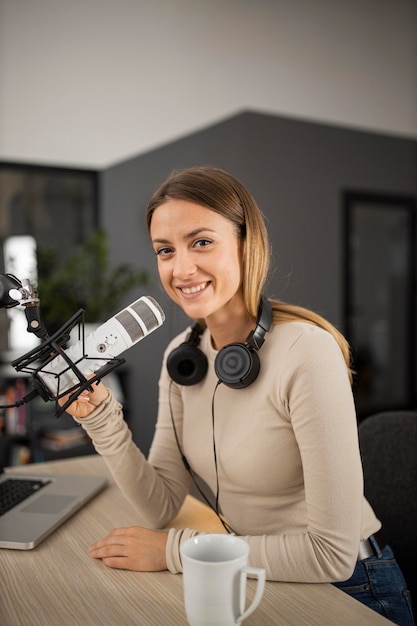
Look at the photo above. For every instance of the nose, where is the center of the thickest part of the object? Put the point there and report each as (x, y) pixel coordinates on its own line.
(184, 266)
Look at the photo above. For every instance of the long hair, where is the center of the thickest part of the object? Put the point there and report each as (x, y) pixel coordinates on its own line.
(222, 193)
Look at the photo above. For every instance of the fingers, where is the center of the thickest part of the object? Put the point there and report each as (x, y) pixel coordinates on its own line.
(133, 548)
(117, 546)
(87, 401)
(116, 538)
(112, 550)
(99, 393)
(116, 563)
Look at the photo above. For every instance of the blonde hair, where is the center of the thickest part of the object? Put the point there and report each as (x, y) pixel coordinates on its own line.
(222, 193)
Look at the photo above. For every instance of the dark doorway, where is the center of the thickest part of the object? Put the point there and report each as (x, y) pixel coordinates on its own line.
(380, 307)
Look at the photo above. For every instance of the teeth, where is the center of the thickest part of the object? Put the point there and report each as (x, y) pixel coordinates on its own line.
(189, 290)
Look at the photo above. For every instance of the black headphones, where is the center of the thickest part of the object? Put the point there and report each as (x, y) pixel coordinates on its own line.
(237, 365)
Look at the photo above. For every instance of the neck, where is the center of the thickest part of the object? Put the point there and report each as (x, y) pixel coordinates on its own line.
(230, 327)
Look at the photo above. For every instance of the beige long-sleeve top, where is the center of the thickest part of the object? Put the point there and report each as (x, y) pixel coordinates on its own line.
(289, 468)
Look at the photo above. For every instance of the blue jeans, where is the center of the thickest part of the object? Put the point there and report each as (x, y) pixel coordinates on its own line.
(379, 583)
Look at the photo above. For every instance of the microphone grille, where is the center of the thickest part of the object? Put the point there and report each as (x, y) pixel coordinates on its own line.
(131, 325)
(146, 315)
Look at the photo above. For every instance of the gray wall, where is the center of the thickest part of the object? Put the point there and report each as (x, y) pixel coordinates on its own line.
(76, 94)
(297, 171)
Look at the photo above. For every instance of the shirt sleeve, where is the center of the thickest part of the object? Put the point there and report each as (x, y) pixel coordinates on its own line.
(156, 486)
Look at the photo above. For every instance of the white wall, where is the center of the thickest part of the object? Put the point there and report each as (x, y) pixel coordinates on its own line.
(92, 82)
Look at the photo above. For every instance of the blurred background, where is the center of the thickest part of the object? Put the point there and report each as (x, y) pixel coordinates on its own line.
(313, 105)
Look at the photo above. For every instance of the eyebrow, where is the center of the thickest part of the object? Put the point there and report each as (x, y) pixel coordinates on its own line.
(189, 235)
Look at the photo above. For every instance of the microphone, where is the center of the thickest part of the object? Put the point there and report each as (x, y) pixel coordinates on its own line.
(58, 375)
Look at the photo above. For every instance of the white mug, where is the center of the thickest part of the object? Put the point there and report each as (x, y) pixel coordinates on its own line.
(214, 573)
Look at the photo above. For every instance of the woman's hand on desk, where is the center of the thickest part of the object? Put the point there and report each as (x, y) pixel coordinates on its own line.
(87, 401)
(134, 548)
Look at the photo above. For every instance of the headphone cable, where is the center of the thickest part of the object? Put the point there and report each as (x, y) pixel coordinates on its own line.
(187, 466)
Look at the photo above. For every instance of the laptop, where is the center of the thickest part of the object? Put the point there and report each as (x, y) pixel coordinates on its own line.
(51, 500)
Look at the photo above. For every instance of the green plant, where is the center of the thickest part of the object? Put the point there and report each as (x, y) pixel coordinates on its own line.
(84, 280)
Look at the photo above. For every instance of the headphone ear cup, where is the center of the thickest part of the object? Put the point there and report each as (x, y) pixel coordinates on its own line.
(187, 365)
(237, 366)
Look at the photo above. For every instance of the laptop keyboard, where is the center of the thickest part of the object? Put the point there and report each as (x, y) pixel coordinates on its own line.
(13, 491)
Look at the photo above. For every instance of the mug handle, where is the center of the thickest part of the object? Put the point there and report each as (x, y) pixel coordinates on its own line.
(258, 573)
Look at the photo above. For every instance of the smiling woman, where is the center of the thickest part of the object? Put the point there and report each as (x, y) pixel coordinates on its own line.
(278, 449)
(200, 267)
(218, 191)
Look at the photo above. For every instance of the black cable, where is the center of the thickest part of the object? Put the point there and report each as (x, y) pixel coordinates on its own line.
(214, 448)
(187, 466)
(27, 398)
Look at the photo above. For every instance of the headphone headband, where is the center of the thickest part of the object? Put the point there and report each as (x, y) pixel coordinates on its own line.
(263, 324)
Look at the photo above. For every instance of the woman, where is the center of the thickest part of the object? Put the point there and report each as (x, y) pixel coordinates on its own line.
(278, 447)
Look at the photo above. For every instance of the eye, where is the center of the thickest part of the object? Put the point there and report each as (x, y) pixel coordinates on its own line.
(202, 243)
(165, 251)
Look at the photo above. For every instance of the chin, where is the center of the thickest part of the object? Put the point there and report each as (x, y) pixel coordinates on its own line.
(195, 310)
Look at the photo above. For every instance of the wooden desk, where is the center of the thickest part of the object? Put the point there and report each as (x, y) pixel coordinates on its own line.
(59, 583)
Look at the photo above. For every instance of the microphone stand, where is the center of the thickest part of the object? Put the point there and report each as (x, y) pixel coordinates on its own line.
(39, 357)
(14, 292)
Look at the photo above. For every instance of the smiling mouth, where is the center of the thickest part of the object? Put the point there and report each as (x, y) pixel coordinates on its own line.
(188, 291)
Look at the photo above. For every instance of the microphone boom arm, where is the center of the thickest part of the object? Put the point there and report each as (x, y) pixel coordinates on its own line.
(14, 292)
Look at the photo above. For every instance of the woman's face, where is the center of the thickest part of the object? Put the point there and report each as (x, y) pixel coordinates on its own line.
(199, 258)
